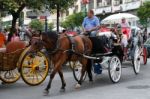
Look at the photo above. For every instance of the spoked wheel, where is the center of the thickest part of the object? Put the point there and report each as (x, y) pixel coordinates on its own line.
(77, 70)
(9, 76)
(136, 60)
(34, 68)
(114, 69)
(144, 55)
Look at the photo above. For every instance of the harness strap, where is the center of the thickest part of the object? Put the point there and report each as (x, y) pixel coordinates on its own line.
(72, 42)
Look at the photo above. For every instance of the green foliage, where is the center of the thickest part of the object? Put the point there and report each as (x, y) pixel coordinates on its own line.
(74, 20)
(144, 12)
(36, 24)
(51, 26)
(15, 5)
(63, 4)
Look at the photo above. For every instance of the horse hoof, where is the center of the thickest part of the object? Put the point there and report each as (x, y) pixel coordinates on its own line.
(77, 86)
(3, 83)
(45, 92)
(62, 90)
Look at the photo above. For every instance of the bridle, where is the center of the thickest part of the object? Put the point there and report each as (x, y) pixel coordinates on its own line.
(52, 50)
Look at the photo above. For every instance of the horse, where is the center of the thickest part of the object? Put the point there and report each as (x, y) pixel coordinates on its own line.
(60, 51)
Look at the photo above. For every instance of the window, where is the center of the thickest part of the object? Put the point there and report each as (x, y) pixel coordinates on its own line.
(91, 4)
(116, 2)
(76, 9)
(99, 3)
(83, 7)
(103, 3)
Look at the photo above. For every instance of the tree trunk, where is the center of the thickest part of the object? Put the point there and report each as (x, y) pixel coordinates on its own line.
(13, 27)
(58, 18)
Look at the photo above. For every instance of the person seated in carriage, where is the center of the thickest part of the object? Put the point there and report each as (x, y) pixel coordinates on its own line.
(103, 28)
(91, 24)
(126, 31)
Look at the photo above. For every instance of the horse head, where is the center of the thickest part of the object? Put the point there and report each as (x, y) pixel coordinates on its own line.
(44, 40)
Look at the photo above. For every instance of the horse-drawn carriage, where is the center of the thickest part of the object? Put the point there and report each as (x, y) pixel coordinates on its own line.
(104, 51)
(136, 53)
(15, 62)
(101, 52)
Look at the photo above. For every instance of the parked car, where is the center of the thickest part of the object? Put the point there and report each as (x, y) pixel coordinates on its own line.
(147, 45)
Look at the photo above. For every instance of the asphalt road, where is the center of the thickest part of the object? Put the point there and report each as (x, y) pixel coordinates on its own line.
(131, 86)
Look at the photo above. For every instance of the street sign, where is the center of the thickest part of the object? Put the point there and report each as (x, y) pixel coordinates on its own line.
(85, 1)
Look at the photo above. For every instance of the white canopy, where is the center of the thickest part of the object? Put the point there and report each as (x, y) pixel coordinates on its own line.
(115, 18)
(60, 28)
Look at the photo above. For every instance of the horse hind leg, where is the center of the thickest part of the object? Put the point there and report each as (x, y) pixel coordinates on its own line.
(89, 69)
(62, 80)
(83, 62)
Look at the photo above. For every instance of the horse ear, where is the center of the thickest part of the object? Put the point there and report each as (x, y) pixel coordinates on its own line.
(41, 37)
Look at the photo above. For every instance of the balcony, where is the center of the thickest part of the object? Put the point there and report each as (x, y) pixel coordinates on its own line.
(130, 1)
(133, 4)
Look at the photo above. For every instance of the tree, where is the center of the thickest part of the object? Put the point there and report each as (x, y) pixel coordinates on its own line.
(15, 7)
(144, 13)
(74, 20)
(36, 24)
(59, 5)
(51, 26)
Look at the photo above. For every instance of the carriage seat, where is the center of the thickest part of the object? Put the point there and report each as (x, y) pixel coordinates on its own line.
(107, 34)
(13, 46)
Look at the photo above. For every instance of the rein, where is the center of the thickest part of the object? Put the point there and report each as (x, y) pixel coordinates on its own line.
(57, 45)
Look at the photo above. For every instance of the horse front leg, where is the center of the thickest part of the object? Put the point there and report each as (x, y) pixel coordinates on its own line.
(57, 65)
(62, 80)
(46, 91)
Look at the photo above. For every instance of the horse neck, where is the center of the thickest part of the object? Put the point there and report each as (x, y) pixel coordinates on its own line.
(49, 42)
(54, 43)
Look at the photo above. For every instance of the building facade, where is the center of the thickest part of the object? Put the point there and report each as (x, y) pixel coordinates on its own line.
(104, 7)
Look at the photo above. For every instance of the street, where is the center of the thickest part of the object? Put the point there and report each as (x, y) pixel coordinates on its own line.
(131, 86)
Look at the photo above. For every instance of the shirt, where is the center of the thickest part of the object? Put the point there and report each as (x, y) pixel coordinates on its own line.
(15, 38)
(126, 24)
(2, 40)
(90, 23)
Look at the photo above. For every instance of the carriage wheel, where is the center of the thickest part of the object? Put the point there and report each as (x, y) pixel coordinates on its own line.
(77, 70)
(136, 60)
(34, 68)
(114, 69)
(144, 56)
(9, 76)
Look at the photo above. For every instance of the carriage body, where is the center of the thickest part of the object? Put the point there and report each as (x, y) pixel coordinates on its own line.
(8, 66)
(16, 62)
(106, 55)
(8, 61)
(107, 52)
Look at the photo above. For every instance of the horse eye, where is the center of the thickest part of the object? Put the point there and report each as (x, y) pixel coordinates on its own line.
(36, 43)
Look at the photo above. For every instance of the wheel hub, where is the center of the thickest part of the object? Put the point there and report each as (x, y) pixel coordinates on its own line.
(117, 69)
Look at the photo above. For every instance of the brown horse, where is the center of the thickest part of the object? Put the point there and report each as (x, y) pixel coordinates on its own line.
(60, 51)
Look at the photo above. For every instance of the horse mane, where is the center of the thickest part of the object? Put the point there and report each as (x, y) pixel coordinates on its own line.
(51, 35)
(50, 38)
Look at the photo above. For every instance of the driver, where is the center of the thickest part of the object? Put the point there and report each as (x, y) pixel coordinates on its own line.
(91, 24)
